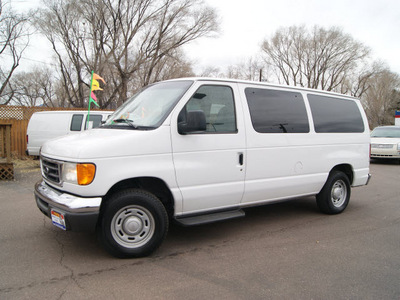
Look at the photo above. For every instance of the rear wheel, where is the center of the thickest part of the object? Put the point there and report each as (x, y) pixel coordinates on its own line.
(335, 195)
(134, 224)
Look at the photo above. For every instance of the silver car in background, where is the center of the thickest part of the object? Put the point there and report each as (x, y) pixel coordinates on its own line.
(385, 142)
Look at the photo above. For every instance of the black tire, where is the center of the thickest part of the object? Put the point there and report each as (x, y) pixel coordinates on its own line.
(134, 224)
(335, 195)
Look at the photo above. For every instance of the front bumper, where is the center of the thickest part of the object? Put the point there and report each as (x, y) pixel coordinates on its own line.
(385, 151)
(386, 155)
(81, 214)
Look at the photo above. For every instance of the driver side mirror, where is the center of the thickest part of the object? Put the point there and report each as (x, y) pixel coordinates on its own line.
(195, 122)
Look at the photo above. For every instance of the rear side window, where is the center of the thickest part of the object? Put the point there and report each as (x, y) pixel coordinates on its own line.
(96, 119)
(274, 111)
(332, 114)
(76, 123)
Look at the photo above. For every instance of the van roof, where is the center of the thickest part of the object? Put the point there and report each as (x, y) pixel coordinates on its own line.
(266, 84)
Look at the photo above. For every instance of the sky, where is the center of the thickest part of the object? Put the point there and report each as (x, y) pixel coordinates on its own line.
(245, 24)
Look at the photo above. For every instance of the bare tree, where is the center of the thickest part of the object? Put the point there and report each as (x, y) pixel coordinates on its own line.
(211, 71)
(172, 66)
(320, 58)
(357, 82)
(251, 69)
(382, 97)
(14, 38)
(64, 27)
(34, 88)
(121, 39)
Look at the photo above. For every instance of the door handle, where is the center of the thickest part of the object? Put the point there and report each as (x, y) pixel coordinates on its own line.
(241, 159)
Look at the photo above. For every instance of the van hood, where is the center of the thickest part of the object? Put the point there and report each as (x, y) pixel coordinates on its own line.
(107, 143)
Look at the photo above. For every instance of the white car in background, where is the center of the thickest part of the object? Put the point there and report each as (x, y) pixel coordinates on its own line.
(385, 142)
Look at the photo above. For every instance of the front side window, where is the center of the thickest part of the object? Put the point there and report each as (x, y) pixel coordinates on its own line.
(94, 121)
(218, 105)
(76, 123)
(274, 111)
(150, 107)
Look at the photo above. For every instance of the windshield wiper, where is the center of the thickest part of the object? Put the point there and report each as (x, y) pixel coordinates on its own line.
(127, 121)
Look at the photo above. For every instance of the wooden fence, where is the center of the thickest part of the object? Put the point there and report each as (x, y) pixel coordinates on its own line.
(5, 142)
(6, 166)
(18, 136)
(18, 117)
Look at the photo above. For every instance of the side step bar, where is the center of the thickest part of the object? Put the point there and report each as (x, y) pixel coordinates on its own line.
(210, 218)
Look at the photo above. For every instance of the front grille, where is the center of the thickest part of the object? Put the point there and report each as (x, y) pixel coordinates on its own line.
(51, 170)
(382, 146)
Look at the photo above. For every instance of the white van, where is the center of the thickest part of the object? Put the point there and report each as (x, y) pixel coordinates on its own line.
(200, 150)
(47, 125)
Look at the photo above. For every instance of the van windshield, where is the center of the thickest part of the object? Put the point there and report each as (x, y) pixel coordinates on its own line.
(149, 107)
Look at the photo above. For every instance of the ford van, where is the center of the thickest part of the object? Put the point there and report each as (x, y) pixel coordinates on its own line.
(199, 150)
(47, 125)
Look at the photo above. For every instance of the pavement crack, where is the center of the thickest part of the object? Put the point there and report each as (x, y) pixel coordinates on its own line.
(63, 264)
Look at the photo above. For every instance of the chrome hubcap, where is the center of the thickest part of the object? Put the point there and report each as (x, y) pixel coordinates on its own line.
(339, 193)
(132, 226)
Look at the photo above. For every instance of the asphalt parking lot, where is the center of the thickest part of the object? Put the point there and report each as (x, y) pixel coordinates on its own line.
(281, 251)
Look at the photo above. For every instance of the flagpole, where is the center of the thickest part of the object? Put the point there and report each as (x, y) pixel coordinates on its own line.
(90, 101)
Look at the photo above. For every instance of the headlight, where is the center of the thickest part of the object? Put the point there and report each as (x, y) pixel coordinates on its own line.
(82, 174)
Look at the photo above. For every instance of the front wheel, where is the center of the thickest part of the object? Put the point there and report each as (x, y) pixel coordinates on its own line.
(335, 195)
(134, 224)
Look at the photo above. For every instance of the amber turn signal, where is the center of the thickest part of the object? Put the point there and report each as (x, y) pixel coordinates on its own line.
(85, 173)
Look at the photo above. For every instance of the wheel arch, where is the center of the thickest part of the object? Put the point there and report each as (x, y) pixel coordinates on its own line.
(153, 185)
(346, 169)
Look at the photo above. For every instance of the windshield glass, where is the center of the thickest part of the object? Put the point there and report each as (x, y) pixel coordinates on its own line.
(150, 107)
(386, 132)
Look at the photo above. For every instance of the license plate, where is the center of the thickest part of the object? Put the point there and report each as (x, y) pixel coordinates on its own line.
(58, 219)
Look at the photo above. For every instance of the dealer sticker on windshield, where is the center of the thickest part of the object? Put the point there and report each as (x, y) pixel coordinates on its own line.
(58, 219)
